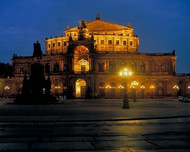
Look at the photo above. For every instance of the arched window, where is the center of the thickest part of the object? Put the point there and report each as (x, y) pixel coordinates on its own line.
(101, 85)
(112, 84)
(81, 59)
(142, 68)
(56, 68)
(21, 70)
(123, 65)
(47, 68)
(101, 67)
(112, 67)
(133, 67)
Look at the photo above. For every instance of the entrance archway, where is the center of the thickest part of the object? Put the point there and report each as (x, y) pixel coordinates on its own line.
(80, 88)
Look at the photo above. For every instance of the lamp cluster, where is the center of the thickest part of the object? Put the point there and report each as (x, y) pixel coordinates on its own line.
(125, 72)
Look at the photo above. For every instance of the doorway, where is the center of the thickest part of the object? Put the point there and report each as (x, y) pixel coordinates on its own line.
(80, 88)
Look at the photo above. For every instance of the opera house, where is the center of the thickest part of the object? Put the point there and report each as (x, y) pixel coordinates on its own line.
(86, 62)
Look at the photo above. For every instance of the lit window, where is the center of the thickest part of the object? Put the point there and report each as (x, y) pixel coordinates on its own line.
(102, 42)
(131, 43)
(124, 42)
(109, 41)
(117, 42)
(58, 44)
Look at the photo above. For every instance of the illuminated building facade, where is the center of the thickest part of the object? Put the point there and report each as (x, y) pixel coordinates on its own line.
(86, 63)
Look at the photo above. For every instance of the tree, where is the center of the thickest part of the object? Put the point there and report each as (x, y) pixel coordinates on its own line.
(6, 70)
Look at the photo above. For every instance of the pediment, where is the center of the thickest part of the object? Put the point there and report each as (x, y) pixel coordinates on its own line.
(100, 25)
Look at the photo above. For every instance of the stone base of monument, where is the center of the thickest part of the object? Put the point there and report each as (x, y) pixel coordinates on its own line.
(36, 89)
(40, 99)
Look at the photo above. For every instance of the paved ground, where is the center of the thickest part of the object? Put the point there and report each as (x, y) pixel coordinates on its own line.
(96, 125)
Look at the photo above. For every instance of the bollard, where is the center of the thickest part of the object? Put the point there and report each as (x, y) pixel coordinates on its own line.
(125, 103)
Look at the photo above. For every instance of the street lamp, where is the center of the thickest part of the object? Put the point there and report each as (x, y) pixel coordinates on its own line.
(134, 84)
(175, 87)
(152, 89)
(142, 90)
(125, 73)
(188, 89)
(7, 90)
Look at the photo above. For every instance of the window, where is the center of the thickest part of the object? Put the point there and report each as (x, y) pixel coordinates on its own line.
(21, 70)
(123, 65)
(159, 67)
(53, 44)
(49, 45)
(112, 84)
(101, 85)
(75, 34)
(117, 42)
(131, 43)
(64, 43)
(56, 68)
(142, 68)
(109, 41)
(47, 68)
(58, 44)
(101, 67)
(102, 42)
(133, 67)
(112, 67)
(124, 42)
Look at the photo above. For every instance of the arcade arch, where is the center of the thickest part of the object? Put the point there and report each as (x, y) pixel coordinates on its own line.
(80, 88)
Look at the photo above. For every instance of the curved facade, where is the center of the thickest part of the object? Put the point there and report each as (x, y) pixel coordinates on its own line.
(87, 61)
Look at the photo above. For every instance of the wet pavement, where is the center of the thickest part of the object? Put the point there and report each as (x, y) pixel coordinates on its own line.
(96, 125)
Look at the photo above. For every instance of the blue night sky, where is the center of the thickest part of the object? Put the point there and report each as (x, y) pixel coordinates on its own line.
(162, 25)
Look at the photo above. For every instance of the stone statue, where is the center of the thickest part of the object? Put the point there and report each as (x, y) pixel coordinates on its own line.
(37, 50)
(36, 90)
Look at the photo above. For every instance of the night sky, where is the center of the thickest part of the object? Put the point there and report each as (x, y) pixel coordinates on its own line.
(162, 25)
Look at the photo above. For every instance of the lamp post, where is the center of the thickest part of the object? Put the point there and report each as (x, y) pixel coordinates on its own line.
(152, 89)
(175, 87)
(142, 90)
(125, 73)
(7, 91)
(134, 84)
